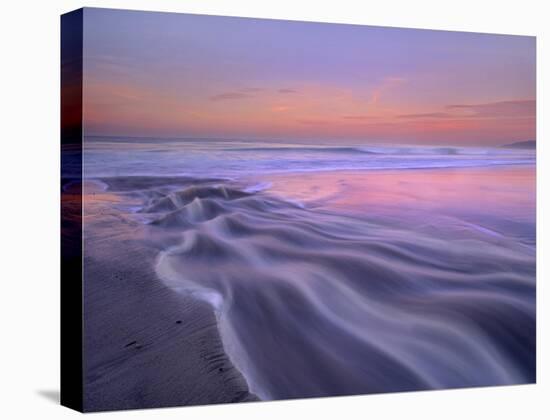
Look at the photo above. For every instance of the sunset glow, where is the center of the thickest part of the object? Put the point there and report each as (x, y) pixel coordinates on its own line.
(218, 77)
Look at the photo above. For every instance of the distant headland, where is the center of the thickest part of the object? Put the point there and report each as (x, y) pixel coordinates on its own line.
(529, 144)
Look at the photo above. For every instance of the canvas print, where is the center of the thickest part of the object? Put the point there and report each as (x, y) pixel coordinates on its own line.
(273, 209)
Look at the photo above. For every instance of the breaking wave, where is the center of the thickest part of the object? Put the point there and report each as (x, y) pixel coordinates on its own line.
(231, 159)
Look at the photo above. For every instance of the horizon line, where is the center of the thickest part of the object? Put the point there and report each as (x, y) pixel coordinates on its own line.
(300, 141)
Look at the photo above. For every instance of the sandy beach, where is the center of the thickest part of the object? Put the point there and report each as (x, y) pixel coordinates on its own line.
(329, 283)
(144, 345)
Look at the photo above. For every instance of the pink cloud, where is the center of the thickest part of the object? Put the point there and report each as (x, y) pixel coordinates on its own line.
(359, 117)
(521, 108)
(427, 115)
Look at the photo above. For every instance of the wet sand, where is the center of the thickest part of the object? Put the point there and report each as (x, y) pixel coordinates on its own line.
(502, 199)
(327, 283)
(509, 189)
(144, 345)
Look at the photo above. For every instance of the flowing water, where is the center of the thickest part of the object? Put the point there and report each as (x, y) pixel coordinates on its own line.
(318, 298)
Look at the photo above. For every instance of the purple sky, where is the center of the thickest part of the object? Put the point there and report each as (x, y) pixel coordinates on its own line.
(178, 75)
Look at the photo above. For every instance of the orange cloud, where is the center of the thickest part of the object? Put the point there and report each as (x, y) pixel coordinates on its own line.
(280, 108)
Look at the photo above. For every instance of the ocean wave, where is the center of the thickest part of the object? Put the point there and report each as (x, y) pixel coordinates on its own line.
(313, 303)
(297, 149)
(382, 150)
(230, 160)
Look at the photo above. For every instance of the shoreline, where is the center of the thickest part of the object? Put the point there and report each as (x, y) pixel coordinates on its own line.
(174, 339)
(233, 178)
(165, 348)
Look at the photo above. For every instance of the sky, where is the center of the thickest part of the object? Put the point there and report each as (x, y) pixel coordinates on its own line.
(178, 75)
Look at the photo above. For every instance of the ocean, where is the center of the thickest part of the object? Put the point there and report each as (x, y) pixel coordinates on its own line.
(104, 156)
